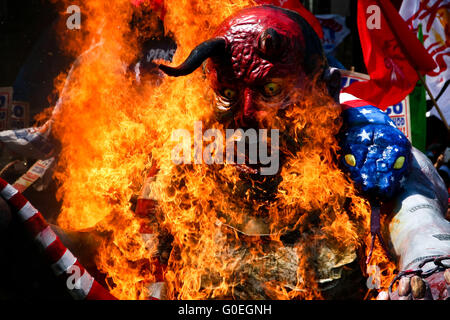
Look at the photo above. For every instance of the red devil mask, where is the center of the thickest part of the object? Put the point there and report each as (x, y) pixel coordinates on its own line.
(256, 57)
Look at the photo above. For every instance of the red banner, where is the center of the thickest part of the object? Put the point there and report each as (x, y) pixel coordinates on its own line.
(392, 54)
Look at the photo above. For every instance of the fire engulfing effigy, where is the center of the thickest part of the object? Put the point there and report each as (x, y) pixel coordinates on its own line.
(193, 229)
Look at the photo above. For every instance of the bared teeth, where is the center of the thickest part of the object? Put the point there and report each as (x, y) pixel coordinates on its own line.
(246, 169)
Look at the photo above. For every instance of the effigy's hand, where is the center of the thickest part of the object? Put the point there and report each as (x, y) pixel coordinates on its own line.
(417, 285)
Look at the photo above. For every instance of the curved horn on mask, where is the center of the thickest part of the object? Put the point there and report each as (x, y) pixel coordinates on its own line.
(203, 51)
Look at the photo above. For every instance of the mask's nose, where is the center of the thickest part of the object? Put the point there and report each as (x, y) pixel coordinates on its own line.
(246, 117)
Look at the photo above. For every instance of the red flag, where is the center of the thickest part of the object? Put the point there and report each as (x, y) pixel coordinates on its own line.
(392, 55)
(295, 5)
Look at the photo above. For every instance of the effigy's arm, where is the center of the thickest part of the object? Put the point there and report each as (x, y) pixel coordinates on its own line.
(419, 232)
(386, 169)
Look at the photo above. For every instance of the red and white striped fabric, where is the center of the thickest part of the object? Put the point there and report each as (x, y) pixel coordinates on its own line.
(63, 263)
(350, 101)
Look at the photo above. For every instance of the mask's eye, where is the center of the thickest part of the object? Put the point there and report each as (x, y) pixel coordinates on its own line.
(272, 89)
(399, 162)
(350, 159)
(230, 94)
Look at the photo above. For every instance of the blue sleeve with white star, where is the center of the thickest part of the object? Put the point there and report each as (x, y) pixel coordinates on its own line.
(375, 153)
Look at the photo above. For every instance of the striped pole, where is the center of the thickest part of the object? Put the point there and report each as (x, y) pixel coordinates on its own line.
(63, 263)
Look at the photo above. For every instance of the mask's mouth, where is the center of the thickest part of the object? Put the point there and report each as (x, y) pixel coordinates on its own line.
(256, 152)
(244, 162)
(379, 193)
(243, 168)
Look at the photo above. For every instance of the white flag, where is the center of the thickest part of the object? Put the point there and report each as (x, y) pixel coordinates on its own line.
(434, 16)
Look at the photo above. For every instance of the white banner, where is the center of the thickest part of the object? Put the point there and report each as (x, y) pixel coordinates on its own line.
(434, 17)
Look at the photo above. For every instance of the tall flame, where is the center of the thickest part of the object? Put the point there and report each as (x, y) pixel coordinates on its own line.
(112, 132)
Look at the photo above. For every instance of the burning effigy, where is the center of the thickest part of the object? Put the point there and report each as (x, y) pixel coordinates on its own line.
(238, 172)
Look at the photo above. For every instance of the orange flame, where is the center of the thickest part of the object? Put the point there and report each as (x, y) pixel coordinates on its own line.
(112, 132)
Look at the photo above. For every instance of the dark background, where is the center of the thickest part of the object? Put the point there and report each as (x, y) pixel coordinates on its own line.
(29, 61)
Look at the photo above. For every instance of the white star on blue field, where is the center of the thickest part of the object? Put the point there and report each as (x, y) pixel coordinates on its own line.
(365, 111)
(364, 135)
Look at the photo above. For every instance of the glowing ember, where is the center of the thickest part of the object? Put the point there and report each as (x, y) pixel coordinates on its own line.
(113, 132)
